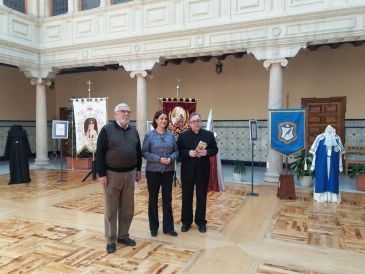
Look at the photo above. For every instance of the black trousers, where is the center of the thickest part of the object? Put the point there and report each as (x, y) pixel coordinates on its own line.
(201, 186)
(154, 181)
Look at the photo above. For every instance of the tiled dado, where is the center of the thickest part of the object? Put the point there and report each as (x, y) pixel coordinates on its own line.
(29, 126)
(234, 137)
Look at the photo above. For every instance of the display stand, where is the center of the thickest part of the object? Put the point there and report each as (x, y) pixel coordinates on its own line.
(60, 131)
(176, 181)
(253, 138)
(92, 171)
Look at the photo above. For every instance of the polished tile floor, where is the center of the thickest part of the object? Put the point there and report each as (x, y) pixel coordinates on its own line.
(346, 183)
(52, 227)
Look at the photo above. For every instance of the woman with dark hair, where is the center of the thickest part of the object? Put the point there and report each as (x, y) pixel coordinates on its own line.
(160, 150)
(91, 128)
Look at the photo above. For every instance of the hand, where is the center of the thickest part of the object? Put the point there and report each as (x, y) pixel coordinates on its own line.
(165, 161)
(202, 152)
(193, 153)
(138, 176)
(103, 181)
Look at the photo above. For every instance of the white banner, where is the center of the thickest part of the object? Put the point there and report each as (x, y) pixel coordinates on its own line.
(90, 116)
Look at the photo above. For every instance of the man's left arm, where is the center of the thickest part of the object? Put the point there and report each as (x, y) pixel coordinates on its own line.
(139, 159)
(212, 148)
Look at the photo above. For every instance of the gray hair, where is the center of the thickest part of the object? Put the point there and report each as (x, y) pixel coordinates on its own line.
(122, 106)
(194, 114)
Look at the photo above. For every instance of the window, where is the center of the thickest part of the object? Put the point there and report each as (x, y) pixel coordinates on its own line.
(18, 5)
(89, 4)
(119, 1)
(59, 7)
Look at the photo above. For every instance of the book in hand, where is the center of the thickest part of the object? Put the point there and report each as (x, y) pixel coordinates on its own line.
(201, 145)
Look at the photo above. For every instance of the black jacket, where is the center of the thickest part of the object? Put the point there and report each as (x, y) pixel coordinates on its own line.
(189, 166)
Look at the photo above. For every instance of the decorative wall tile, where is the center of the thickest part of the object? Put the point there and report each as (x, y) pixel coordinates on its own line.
(233, 137)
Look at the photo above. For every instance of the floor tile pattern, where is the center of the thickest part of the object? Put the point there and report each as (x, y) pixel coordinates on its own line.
(340, 226)
(221, 206)
(28, 246)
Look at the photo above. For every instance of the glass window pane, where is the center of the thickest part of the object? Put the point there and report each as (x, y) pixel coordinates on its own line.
(18, 5)
(120, 1)
(90, 4)
(60, 7)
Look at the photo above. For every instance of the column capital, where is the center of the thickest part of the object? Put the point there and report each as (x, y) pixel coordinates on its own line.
(142, 73)
(39, 73)
(139, 65)
(282, 62)
(40, 81)
(276, 52)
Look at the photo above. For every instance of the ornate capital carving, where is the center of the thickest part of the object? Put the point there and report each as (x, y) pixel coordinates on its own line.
(273, 52)
(139, 65)
(282, 62)
(40, 73)
(142, 73)
(37, 81)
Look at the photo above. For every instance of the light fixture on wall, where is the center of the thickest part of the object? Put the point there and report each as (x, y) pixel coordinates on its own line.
(219, 67)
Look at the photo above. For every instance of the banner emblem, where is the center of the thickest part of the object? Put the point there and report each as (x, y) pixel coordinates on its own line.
(178, 117)
(178, 110)
(287, 132)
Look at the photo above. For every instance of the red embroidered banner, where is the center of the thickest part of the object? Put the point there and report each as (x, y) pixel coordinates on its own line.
(178, 110)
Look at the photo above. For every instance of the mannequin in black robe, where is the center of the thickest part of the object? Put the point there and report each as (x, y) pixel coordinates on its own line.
(17, 151)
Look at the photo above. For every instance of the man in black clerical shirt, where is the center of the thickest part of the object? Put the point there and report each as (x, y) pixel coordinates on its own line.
(195, 147)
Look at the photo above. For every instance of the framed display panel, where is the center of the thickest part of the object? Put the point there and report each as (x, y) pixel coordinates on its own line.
(59, 129)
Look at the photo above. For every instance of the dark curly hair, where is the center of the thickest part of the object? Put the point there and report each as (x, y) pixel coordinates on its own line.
(158, 114)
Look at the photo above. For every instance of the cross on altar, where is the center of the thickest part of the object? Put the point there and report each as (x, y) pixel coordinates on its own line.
(89, 88)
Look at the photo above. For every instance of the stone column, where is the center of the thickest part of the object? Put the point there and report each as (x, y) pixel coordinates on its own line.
(71, 6)
(141, 101)
(104, 3)
(41, 122)
(274, 164)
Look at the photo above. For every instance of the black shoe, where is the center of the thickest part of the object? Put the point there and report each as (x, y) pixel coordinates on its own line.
(153, 233)
(185, 228)
(127, 241)
(110, 248)
(172, 233)
(202, 228)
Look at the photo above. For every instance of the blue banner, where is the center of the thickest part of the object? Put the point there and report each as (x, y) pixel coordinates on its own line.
(287, 128)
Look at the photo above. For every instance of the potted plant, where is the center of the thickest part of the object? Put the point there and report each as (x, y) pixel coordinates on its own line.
(238, 170)
(305, 177)
(358, 171)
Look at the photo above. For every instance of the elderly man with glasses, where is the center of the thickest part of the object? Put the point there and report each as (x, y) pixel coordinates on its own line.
(118, 163)
(195, 147)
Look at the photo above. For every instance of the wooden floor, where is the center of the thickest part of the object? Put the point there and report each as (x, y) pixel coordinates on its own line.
(48, 227)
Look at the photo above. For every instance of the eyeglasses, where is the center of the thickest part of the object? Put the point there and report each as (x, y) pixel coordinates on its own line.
(125, 111)
(195, 121)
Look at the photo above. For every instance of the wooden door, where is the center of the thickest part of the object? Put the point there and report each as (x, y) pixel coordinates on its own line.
(64, 115)
(322, 112)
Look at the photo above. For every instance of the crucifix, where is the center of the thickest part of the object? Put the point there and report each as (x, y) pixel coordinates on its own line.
(89, 88)
(178, 81)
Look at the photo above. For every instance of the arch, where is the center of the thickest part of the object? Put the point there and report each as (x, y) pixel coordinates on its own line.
(119, 1)
(18, 5)
(89, 4)
(59, 7)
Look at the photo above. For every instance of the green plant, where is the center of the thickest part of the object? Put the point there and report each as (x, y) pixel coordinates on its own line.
(298, 165)
(356, 170)
(239, 168)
